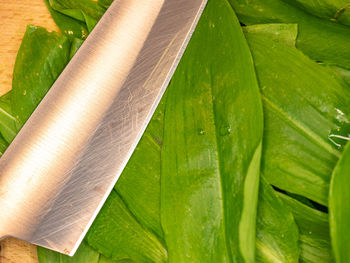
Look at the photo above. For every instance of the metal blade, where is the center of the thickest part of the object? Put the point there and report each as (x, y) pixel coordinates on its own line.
(60, 169)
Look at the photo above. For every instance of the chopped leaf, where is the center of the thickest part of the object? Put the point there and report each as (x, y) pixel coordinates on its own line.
(339, 208)
(211, 149)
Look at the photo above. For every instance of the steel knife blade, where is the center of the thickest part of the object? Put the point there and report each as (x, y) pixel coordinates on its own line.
(63, 164)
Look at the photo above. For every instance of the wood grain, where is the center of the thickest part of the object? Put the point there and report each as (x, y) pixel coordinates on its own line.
(15, 15)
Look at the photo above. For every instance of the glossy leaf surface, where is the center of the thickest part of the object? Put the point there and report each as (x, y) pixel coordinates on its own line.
(304, 104)
(211, 148)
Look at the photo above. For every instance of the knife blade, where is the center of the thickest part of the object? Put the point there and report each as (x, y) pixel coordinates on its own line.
(61, 167)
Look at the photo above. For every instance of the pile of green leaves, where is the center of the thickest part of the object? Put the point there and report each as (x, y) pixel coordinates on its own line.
(245, 158)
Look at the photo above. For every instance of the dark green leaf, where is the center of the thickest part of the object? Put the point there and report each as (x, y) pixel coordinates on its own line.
(314, 231)
(277, 233)
(304, 104)
(322, 40)
(212, 142)
(339, 208)
(41, 58)
(117, 234)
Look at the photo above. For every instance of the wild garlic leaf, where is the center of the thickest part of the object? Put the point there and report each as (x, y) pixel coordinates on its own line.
(319, 39)
(69, 26)
(339, 208)
(211, 150)
(277, 237)
(86, 11)
(313, 229)
(117, 234)
(41, 58)
(84, 254)
(304, 104)
(334, 10)
(8, 127)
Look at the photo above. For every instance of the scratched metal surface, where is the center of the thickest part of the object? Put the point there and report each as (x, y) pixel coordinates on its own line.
(58, 172)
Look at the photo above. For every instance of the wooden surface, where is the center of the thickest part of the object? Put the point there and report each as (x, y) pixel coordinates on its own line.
(14, 17)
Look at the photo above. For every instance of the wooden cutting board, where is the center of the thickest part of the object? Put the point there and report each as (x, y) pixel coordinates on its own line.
(14, 17)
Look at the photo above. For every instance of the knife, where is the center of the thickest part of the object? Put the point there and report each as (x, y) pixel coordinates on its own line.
(59, 170)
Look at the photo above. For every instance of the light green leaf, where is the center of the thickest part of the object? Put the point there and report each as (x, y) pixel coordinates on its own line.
(314, 231)
(283, 33)
(212, 142)
(3, 145)
(339, 208)
(320, 39)
(277, 233)
(304, 104)
(117, 234)
(40, 59)
(8, 128)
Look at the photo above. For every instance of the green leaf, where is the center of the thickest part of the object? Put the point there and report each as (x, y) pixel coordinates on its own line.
(328, 9)
(339, 208)
(283, 33)
(8, 128)
(3, 145)
(304, 104)
(83, 255)
(117, 234)
(41, 58)
(76, 44)
(320, 39)
(212, 141)
(86, 11)
(69, 26)
(343, 14)
(314, 231)
(105, 3)
(277, 233)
